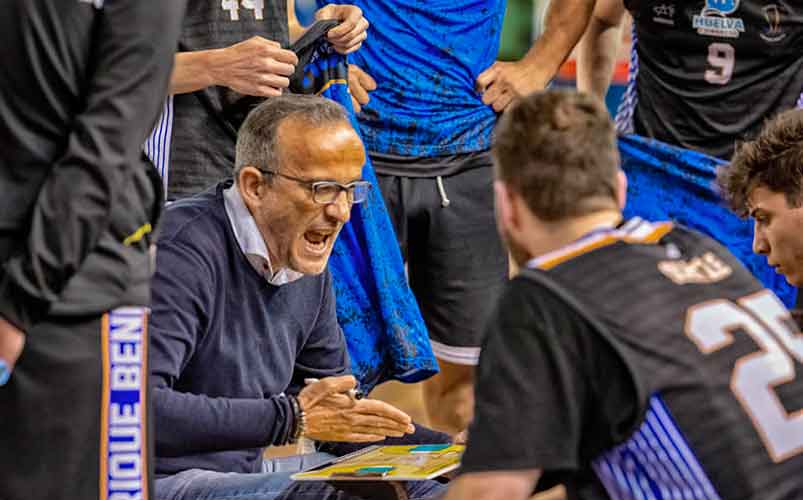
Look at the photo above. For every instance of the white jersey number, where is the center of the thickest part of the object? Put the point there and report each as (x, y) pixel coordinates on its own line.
(721, 57)
(233, 6)
(712, 325)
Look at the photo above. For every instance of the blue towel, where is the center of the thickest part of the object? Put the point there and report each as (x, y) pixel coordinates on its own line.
(667, 182)
(385, 332)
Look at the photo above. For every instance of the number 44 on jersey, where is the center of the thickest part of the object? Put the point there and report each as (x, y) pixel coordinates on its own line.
(233, 6)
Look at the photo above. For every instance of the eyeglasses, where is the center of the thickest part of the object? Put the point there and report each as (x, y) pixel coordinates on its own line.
(327, 192)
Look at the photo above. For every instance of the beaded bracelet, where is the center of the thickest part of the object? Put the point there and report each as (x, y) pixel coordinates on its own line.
(301, 420)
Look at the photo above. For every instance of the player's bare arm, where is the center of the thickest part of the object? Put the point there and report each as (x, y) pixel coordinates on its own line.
(497, 485)
(504, 81)
(596, 55)
(256, 66)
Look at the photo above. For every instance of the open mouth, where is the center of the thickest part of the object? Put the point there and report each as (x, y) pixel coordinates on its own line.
(317, 241)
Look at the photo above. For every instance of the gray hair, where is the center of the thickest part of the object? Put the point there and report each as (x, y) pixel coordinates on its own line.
(256, 140)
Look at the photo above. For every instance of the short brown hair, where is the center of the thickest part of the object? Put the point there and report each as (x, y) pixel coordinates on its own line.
(773, 160)
(558, 150)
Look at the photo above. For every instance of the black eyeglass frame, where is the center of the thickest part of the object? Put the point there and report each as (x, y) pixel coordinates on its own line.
(315, 185)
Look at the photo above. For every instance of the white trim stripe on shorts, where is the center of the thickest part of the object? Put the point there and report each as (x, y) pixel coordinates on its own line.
(457, 355)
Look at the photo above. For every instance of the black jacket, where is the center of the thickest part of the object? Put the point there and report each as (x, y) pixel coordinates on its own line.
(81, 84)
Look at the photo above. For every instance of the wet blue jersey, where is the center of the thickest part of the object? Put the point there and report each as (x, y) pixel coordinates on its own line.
(425, 57)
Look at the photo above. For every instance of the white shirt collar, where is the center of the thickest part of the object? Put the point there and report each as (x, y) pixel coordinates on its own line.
(250, 240)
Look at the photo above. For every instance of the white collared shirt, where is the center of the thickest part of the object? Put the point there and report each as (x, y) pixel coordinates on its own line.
(250, 239)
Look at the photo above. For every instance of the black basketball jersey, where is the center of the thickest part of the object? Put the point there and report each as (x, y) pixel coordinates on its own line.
(714, 357)
(711, 71)
(203, 143)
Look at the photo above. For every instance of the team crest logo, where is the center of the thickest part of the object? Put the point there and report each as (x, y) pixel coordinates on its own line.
(772, 33)
(713, 20)
(720, 7)
(664, 14)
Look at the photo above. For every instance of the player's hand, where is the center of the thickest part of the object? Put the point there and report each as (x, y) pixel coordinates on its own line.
(352, 30)
(12, 340)
(460, 438)
(503, 82)
(256, 66)
(333, 416)
(360, 83)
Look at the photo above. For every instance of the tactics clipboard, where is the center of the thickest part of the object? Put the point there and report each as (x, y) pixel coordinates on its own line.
(388, 463)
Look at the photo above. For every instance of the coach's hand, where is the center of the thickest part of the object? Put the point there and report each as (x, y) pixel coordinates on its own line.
(505, 81)
(256, 66)
(12, 340)
(347, 36)
(360, 83)
(333, 416)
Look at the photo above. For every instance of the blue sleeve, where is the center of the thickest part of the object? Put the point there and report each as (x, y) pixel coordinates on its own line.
(324, 353)
(183, 289)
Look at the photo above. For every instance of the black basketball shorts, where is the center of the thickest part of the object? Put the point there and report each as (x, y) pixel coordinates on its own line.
(456, 262)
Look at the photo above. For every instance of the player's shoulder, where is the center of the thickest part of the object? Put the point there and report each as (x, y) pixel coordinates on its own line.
(533, 299)
(686, 244)
(639, 265)
(691, 238)
(529, 288)
(664, 241)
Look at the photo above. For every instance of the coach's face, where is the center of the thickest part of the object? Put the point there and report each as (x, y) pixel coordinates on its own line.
(300, 232)
(778, 232)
